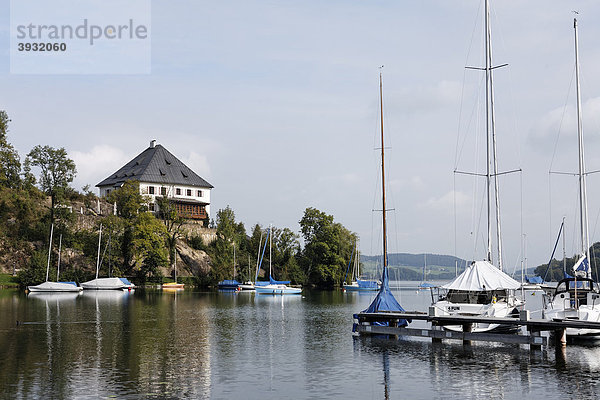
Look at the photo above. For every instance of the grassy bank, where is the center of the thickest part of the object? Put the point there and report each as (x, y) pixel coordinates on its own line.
(8, 281)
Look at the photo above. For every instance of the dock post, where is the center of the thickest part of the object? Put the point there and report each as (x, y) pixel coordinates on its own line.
(467, 328)
(433, 312)
(560, 337)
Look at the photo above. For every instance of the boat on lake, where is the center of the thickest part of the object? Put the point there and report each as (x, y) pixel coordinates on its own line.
(103, 283)
(577, 297)
(230, 284)
(54, 286)
(483, 289)
(357, 284)
(273, 286)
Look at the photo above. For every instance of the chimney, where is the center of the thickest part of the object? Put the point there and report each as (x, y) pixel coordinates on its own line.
(152, 143)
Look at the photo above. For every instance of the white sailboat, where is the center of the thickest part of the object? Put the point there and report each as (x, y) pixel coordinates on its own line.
(483, 289)
(103, 283)
(577, 297)
(275, 287)
(54, 286)
(357, 284)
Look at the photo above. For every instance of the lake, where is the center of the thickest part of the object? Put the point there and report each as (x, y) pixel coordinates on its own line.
(207, 344)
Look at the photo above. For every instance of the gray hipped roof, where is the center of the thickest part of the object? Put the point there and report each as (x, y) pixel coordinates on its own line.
(157, 165)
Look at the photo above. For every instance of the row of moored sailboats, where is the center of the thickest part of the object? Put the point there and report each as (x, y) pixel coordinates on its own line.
(97, 283)
(483, 289)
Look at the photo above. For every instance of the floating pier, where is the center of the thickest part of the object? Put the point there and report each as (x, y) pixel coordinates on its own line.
(371, 324)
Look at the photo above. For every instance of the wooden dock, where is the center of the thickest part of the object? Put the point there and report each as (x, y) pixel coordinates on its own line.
(533, 337)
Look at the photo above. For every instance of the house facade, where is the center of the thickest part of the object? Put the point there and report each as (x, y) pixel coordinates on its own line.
(160, 173)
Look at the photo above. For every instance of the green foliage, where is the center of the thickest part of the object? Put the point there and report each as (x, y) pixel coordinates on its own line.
(129, 201)
(196, 242)
(328, 247)
(35, 272)
(8, 281)
(172, 221)
(10, 163)
(149, 245)
(57, 171)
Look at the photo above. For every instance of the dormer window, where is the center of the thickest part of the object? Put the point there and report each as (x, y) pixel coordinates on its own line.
(184, 175)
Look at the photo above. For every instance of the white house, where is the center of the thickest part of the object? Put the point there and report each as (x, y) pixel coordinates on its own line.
(160, 173)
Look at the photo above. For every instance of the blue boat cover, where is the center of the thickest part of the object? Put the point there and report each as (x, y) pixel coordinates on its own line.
(70, 283)
(262, 283)
(367, 284)
(274, 282)
(125, 281)
(229, 282)
(534, 279)
(426, 285)
(385, 300)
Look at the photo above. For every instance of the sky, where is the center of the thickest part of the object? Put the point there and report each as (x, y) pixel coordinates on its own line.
(275, 103)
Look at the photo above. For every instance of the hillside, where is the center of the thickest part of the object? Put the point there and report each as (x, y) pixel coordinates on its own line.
(406, 266)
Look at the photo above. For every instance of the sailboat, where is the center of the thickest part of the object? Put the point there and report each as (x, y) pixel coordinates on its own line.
(484, 289)
(385, 300)
(249, 284)
(173, 285)
(103, 283)
(54, 286)
(357, 284)
(230, 284)
(577, 297)
(273, 286)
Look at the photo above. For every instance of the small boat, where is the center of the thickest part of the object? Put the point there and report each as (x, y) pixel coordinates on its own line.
(247, 286)
(54, 286)
(577, 297)
(273, 286)
(230, 284)
(103, 283)
(172, 286)
(357, 284)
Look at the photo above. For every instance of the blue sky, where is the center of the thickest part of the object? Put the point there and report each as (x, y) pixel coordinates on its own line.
(276, 104)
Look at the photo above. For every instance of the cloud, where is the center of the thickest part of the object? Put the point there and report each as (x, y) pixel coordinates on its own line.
(428, 99)
(445, 203)
(562, 122)
(97, 164)
(198, 163)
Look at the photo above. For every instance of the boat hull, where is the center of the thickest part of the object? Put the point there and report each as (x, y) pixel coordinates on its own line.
(356, 288)
(54, 287)
(277, 290)
(172, 285)
(104, 284)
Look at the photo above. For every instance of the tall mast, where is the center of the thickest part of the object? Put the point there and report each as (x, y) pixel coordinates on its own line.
(583, 219)
(385, 261)
(49, 252)
(491, 159)
(98, 257)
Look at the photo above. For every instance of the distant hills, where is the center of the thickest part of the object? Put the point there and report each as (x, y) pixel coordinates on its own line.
(409, 267)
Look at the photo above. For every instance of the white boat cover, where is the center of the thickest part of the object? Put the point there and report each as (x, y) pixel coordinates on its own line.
(481, 276)
(54, 287)
(104, 284)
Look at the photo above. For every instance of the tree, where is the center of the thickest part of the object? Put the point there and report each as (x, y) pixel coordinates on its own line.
(10, 163)
(328, 246)
(57, 171)
(172, 221)
(149, 245)
(228, 233)
(130, 203)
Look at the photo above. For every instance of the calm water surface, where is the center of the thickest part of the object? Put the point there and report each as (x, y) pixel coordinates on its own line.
(201, 344)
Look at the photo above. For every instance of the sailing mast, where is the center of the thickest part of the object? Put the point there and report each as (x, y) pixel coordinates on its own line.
(491, 159)
(583, 218)
(385, 260)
